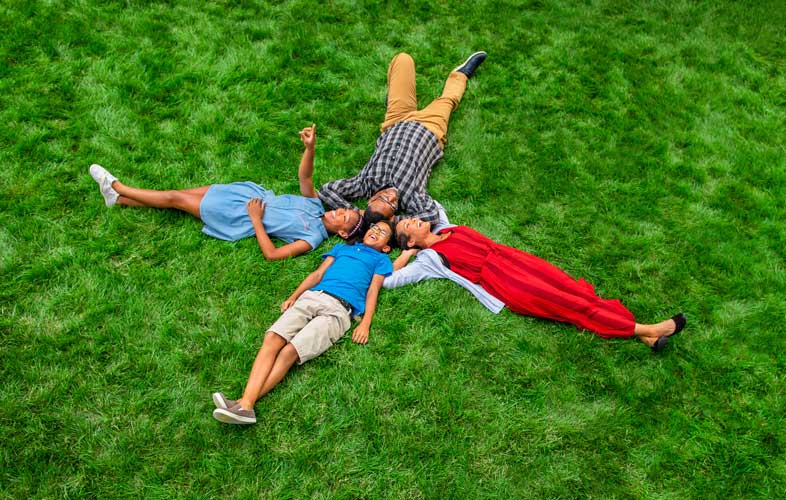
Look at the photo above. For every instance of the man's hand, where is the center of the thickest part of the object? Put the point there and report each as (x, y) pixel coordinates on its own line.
(256, 208)
(287, 304)
(360, 335)
(309, 136)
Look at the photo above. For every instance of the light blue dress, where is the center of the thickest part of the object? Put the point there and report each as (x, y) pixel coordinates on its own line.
(287, 217)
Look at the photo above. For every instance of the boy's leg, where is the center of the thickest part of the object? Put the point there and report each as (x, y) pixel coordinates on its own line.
(331, 322)
(260, 371)
(436, 115)
(402, 96)
(284, 361)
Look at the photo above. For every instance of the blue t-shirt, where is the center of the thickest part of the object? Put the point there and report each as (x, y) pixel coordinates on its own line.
(350, 274)
(287, 217)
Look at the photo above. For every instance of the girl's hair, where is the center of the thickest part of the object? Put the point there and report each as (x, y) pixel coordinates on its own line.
(355, 230)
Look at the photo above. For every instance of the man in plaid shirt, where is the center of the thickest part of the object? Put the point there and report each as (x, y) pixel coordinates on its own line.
(411, 143)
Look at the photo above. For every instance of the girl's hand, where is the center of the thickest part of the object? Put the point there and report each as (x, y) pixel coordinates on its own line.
(309, 136)
(287, 304)
(256, 208)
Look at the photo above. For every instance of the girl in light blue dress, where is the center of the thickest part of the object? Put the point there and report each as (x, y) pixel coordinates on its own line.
(242, 209)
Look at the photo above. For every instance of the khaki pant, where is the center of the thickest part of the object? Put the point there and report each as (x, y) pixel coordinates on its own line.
(313, 324)
(403, 101)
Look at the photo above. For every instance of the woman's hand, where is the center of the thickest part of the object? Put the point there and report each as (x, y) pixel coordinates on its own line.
(309, 136)
(256, 208)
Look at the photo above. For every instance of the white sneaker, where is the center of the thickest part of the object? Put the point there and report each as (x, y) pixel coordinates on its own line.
(104, 180)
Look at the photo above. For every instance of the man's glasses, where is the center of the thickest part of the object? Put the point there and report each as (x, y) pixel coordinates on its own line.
(386, 200)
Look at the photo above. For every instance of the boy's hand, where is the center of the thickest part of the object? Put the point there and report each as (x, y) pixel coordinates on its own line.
(256, 208)
(286, 304)
(410, 253)
(360, 335)
(309, 136)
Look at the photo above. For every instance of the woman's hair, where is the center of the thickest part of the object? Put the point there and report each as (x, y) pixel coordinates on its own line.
(402, 240)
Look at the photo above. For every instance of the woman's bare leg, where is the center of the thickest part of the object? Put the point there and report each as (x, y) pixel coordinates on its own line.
(187, 200)
(650, 333)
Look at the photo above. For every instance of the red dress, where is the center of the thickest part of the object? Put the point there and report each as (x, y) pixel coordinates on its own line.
(529, 285)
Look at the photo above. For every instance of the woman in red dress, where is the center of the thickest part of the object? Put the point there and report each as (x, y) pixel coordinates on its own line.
(529, 285)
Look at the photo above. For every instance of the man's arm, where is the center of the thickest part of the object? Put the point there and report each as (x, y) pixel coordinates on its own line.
(360, 334)
(256, 209)
(309, 282)
(422, 206)
(305, 171)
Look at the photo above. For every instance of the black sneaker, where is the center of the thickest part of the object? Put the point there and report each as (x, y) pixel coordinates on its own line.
(469, 66)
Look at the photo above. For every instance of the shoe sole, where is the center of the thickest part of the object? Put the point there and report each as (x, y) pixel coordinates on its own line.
(468, 59)
(218, 400)
(98, 173)
(227, 417)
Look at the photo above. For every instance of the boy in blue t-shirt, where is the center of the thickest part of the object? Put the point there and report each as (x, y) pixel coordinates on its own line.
(315, 316)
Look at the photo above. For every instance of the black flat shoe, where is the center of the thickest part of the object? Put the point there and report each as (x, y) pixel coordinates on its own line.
(660, 344)
(680, 321)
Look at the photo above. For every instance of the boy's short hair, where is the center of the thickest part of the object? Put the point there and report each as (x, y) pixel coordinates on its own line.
(369, 217)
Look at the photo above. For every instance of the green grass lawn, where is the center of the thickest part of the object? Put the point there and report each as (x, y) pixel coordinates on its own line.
(639, 145)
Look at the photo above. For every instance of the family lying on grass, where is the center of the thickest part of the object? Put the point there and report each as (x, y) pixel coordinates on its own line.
(348, 281)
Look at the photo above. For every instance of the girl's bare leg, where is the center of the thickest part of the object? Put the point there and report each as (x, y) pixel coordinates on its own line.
(187, 200)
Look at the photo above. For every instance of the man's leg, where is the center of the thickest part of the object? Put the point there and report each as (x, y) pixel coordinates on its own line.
(402, 96)
(436, 115)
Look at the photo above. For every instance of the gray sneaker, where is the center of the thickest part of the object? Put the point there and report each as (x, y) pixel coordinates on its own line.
(235, 415)
(221, 401)
(104, 180)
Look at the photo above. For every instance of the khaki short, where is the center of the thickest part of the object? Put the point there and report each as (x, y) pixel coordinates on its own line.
(313, 324)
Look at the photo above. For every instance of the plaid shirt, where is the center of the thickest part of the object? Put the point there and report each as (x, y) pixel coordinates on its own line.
(403, 159)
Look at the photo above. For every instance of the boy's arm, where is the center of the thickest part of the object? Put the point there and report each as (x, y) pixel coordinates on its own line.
(309, 282)
(360, 334)
(305, 171)
(403, 259)
(256, 209)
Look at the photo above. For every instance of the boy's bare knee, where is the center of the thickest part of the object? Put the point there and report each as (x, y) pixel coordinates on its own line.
(273, 341)
(290, 353)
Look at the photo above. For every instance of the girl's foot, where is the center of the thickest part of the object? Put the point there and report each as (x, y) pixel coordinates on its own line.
(104, 180)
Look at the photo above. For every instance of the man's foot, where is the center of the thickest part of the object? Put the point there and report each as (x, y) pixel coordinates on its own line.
(221, 401)
(469, 66)
(235, 415)
(104, 180)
